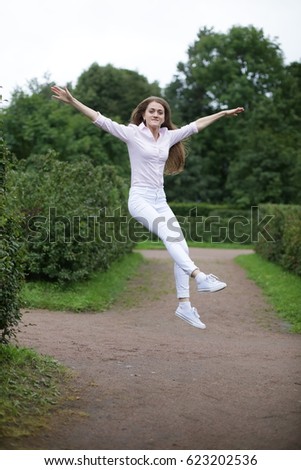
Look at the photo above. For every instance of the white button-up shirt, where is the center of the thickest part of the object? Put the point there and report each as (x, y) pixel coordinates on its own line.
(147, 155)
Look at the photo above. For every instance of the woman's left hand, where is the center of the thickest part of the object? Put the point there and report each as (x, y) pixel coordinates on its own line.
(234, 112)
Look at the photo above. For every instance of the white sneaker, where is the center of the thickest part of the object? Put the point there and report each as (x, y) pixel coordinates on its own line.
(210, 284)
(192, 317)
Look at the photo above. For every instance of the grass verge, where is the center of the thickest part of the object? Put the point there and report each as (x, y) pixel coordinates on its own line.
(95, 294)
(30, 385)
(282, 288)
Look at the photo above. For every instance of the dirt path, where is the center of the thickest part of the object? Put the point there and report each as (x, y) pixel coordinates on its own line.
(147, 380)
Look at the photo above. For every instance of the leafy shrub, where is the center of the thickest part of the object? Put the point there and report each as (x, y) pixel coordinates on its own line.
(11, 256)
(285, 230)
(72, 213)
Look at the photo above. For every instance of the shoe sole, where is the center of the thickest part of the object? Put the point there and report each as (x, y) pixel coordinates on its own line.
(212, 290)
(190, 322)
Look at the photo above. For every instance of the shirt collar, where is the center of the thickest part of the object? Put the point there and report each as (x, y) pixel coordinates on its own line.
(144, 128)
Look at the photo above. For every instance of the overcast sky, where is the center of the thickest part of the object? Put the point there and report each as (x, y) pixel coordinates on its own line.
(64, 37)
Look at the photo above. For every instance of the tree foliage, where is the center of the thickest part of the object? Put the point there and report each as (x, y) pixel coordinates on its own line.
(34, 124)
(114, 92)
(254, 158)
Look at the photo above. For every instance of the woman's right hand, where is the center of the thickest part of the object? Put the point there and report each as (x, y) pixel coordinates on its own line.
(62, 94)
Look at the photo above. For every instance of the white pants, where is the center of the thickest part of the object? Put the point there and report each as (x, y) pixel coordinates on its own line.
(149, 207)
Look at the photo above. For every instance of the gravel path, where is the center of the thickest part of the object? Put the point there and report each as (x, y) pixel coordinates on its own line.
(145, 379)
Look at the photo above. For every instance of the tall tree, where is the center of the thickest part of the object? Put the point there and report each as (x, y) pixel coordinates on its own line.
(240, 68)
(35, 124)
(268, 168)
(114, 92)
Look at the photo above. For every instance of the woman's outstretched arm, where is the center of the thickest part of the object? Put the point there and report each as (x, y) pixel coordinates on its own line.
(207, 120)
(64, 95)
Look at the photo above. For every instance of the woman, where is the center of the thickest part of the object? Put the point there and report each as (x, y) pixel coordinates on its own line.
(155, 146)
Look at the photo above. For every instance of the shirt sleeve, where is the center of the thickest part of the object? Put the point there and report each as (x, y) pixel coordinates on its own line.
(176, 135)
(120, 131)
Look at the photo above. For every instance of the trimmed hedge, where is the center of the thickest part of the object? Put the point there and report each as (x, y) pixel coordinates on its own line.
(284, 247)
(72, 217)
(214, 223)
(11, 256)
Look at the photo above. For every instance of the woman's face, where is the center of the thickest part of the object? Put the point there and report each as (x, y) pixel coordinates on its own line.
(154, 115)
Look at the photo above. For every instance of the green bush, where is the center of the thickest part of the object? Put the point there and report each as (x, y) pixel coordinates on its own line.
(72, 217)
(285, 229)
(11, 256)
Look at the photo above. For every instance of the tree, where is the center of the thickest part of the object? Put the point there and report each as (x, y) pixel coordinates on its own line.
(225, 69)
(114, 92)
(34, 124)
(269, 169)
(240, 68)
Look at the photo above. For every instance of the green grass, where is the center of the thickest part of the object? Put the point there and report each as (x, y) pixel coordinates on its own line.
(158, 245)
(29, 386)
(95, 294)
(282, 289)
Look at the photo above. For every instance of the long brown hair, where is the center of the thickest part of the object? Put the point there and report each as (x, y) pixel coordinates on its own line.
(177, 155)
